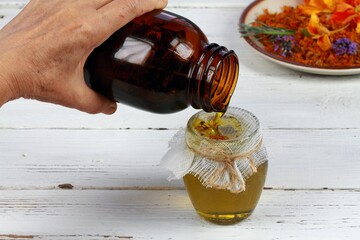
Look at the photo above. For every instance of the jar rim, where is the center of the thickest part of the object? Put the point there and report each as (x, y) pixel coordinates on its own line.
(235, 112)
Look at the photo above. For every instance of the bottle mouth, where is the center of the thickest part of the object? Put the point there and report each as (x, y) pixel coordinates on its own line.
(224, 81)
(219, 79)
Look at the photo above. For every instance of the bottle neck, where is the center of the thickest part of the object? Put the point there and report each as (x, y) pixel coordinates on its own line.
(213, 79)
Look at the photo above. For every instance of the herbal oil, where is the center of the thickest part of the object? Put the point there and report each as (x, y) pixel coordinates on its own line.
(221, 206)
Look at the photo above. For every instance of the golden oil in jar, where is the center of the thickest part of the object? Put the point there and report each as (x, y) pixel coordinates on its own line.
(221, 206)
(230, 131)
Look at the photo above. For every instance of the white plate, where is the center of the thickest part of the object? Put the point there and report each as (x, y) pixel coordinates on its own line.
(255, 9)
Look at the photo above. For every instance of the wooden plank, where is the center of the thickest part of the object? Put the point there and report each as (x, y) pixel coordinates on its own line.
(72, 214)
(279, 103)
(116, 159)
(6, 4)
(8, 12)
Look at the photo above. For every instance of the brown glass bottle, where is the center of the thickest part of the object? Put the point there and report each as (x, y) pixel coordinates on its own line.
(162, 62)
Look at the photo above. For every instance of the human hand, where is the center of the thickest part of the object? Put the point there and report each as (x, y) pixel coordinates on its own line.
(44, 49)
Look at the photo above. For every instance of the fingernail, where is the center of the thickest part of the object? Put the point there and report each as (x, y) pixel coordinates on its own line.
(111, 109)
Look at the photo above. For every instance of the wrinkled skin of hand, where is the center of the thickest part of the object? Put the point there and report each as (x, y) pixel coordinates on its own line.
(44, 49)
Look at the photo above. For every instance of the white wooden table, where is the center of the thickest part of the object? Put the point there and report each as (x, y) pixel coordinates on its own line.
(312, 131)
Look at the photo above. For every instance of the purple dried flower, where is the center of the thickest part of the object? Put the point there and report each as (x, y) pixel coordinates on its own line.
(343, 46)
(284, 44)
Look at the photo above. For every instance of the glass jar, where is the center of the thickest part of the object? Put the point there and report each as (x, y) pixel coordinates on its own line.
(162, 62)
(228, 171)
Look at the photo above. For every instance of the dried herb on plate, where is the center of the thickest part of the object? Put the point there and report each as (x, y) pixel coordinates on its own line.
(322, 33)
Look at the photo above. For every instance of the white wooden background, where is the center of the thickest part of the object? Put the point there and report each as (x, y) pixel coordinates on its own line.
(311, 126)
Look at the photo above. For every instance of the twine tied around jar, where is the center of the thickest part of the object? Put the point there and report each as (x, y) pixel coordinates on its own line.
(228, 160)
